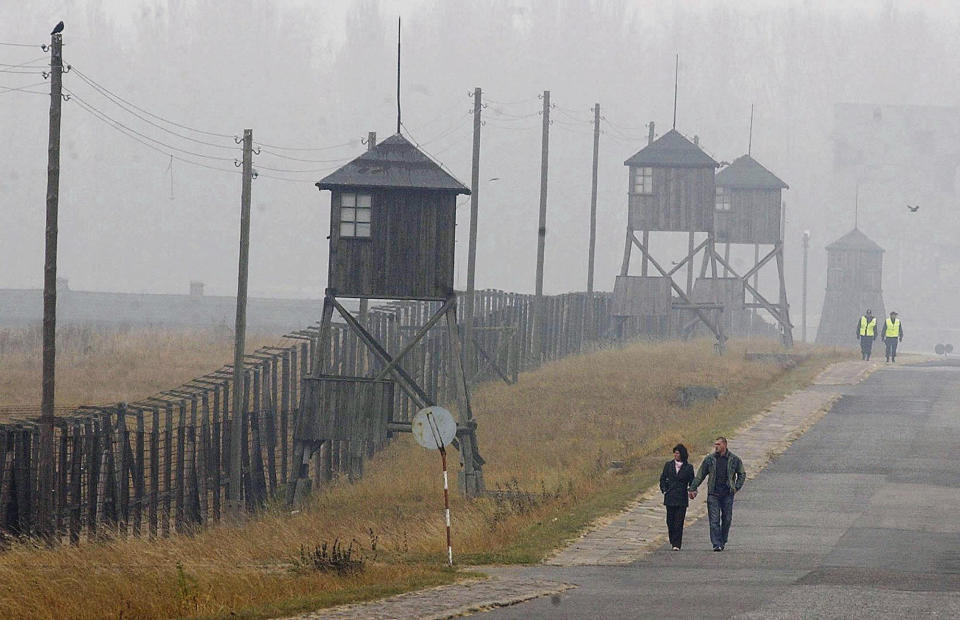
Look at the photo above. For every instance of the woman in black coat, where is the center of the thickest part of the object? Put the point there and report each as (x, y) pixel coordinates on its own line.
(674, 481)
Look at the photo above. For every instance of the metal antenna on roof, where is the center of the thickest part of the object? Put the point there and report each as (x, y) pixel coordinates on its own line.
(398, 74)
(750, 141)
(856, 207)
(676, 81)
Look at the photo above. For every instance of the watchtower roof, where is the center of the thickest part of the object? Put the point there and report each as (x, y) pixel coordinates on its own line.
(394, 163)
(855, 240)
(746, 173)
(671, 150)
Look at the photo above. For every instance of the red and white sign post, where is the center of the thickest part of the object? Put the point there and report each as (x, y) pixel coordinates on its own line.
(434, 428)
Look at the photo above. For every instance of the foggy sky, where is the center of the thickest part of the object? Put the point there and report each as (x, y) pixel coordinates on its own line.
(309, 74)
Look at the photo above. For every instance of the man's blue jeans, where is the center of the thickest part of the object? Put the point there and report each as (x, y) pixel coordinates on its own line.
(720, 512)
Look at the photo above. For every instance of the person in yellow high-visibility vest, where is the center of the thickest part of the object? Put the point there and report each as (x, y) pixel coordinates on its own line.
(867, 333)
(892, 336)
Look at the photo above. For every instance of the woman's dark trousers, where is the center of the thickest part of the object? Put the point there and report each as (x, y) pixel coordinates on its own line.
(675, 517)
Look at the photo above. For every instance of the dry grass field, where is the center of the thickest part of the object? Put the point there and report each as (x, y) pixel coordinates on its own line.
(103, 366)
(548, 439)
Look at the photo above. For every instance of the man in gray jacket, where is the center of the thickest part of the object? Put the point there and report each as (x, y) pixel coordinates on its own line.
(726, 476)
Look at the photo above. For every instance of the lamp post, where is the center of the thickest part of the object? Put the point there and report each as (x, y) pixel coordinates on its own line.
(803, 308)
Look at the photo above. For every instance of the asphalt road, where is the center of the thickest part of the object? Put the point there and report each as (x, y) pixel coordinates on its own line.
(859, 518)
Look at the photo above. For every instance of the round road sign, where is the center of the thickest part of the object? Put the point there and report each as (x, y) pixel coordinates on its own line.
(434, 427)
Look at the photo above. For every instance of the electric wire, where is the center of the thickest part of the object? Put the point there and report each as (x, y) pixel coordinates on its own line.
(26, 62)
(425, 151)
(12, 89)
(93, 82)
(123, 130)
(114, 99)
(39, 45)
(305, 171)
(519, 102)
(311, 161)
(307, 148)
(500, 112)
(144, 136)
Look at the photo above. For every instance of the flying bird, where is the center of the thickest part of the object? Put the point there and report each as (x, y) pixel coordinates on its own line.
(913, 209)
(58, 28)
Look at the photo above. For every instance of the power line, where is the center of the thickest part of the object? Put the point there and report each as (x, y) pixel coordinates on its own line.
(311, 161)
(123, 103)
(25, 71)
(573, 115)
(12, 89)
(309, 170)
(147, 112)
(426, 152)
(457, 125)
(500, 112)
(110, 97)
(288, 180)
(39, 45)
(122, 129)
(307, 148)
(144, 136)
(521, 101)
(26, 62)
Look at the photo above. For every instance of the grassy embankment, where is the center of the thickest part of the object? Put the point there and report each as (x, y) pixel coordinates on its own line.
(552, 435)
(106, 366)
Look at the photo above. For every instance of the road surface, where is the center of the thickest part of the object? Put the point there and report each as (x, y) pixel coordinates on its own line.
(860, 517)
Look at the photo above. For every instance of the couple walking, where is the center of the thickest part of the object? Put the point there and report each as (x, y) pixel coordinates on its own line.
(678, 483)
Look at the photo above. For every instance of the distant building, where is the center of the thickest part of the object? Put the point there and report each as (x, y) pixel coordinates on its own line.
(24, 307)
(892, 156)
(854, 276)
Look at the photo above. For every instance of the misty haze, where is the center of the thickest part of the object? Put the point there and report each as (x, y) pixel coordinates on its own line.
(562, 244)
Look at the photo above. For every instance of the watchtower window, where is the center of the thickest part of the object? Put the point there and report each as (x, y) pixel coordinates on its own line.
(354, 215)
(643, 180)
(723, 199)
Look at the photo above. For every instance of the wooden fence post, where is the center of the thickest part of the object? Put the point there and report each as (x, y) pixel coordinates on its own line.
(138, 474)
(154, 472)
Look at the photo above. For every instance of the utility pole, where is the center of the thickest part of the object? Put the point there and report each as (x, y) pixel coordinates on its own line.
(646, 233)
(803, 307)
(468, 355)
(364, 302)
(46, 473)
(593, 197)
(542, 227)
(236, 424)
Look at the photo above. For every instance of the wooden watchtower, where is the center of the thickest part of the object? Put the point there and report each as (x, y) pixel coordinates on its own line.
(392, 226)
(854, 276)
(749, 210)
(671, 189)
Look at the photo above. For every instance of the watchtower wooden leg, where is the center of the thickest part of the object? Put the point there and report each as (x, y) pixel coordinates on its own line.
(784, 306)
(301, 456)
(472, 464)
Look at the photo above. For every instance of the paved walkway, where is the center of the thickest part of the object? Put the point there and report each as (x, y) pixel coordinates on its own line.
(856, 519)
(640, 528)
(444, 602)
(624, 538)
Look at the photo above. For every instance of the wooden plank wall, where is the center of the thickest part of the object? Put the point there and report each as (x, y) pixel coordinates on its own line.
(162, 465)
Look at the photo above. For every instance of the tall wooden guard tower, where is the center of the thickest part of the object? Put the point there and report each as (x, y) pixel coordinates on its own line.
(671, 189)
(392, 227)
(854, 276)
(749, 210)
